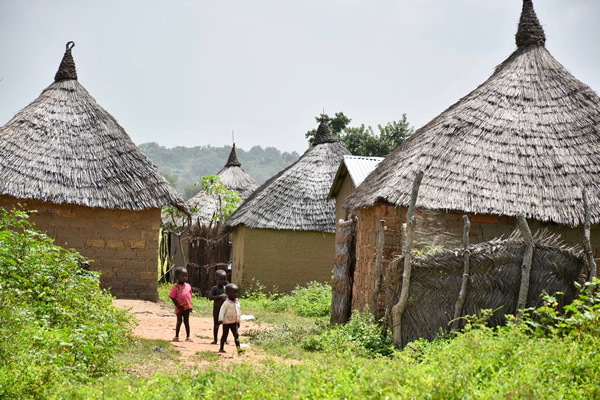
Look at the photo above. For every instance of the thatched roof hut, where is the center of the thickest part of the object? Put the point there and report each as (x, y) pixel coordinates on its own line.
(233, 177)
(66, 149)
(524, 142)
(283, 234)
(94, 190)
(296, 198)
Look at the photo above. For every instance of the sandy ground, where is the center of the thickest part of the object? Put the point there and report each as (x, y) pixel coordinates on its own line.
(157, 321)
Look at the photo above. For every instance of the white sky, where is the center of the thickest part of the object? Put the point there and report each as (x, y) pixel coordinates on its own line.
(187, 72)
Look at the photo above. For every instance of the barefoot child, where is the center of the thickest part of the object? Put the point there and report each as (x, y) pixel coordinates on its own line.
(230, 316)
(181, 294)
(218, 296)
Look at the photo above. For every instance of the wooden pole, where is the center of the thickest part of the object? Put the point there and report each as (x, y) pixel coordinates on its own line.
(409, 227)
(460, 302)
(526, 266)
(587, 246)
(375, 298)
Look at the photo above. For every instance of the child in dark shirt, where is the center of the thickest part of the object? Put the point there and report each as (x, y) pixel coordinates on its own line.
(218, 296)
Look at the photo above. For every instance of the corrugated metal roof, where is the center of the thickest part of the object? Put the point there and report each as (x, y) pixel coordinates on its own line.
(359, 167)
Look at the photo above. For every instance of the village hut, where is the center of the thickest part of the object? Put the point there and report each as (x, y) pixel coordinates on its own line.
(351, 173)
(526, 142)
(93, 190)
(283, 234)
(233, 177)
(205, 246)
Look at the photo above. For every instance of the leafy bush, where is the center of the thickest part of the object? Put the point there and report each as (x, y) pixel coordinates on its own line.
(313, 300)
(362, 336)
(55, 321)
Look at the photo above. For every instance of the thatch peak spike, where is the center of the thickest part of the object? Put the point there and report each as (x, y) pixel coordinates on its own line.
(324, 134)
(66, 70)
(530, 30)
(233, 161)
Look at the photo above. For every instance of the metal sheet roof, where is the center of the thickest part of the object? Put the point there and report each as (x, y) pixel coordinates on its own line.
(359, 167)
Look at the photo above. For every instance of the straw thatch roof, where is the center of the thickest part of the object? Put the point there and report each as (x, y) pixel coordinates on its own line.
(234, 178)
(494, 283)
(296, 198)
(525, 142)
(66, 149)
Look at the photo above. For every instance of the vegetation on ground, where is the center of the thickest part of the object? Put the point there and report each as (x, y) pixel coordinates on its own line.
(57, 326)
(60, 336)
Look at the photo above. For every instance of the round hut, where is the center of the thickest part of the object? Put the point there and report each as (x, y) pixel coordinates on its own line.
(233, 177)
(525, 142)
(93, 190)
(283, 234)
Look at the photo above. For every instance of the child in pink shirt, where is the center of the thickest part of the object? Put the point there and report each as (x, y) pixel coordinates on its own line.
(181, 294)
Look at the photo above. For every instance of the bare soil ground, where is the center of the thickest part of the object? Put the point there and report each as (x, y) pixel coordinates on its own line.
(157, 321)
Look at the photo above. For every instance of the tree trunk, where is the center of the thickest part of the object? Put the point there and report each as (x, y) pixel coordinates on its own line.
(586, 238)
(460, 302)
(409, 227)
(526, 266)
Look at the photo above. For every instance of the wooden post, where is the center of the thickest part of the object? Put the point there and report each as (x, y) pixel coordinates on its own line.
(380, 239)
(409, 227)
(587, 246)
(460, 302)
(526, 266)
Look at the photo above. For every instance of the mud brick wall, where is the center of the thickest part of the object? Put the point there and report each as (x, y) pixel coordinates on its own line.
(434, 229)
(281, 259)
(122, 244)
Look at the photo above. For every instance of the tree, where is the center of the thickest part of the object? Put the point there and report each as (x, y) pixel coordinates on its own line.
(362, 140)
(227, 201)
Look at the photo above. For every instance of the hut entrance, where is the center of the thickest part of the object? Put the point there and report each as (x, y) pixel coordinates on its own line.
(343, 271)
(208, 251)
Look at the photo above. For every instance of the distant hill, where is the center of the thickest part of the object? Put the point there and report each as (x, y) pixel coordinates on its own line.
(184, 166)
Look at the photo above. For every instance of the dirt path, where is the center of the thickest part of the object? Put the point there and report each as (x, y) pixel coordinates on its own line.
(157, 321)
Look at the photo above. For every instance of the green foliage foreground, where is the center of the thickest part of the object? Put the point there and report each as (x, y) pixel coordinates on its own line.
(57, 326)
(545, 355)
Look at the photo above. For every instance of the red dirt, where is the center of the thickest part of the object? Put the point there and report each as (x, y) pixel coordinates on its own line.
(157, 321)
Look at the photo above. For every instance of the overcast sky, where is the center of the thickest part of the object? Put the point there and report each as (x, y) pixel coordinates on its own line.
(188, 72)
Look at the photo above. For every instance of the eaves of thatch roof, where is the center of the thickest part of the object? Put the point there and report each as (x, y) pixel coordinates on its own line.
(525, 142)
(296, 198)
(234, 178)
(66, 149)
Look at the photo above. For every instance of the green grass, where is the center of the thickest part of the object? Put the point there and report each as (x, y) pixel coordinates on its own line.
(140, 351)
(209, 356)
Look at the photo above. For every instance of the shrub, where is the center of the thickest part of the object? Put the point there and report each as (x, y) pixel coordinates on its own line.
(362, 336)
(55, 321)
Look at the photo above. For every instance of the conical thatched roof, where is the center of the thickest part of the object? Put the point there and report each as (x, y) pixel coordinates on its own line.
(65, 148)
(296, 198)
(524, 142)
(234, 178)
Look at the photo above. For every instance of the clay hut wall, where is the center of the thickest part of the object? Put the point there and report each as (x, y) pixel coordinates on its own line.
(435, 229)
(281, 259)
(123, 244)
(345, 190)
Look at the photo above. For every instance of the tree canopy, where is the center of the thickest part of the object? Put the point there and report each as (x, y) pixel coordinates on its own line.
(363, 140)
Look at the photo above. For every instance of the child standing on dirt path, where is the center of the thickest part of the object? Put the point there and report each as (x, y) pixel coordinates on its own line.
(181, 294)
(230, 316)
(218, 296)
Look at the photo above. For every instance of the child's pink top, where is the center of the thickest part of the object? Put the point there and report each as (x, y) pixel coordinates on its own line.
(182, 293)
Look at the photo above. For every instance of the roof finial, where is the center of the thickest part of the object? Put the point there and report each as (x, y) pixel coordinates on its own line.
(530, 30)
(324, 134)
(66, 70)
(233, 161)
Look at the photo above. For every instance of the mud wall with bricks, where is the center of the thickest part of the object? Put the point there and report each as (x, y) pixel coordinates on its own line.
(123, 244)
